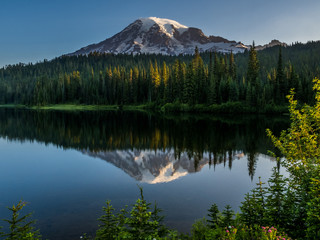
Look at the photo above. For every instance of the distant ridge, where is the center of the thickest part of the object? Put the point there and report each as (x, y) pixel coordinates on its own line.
(273, 43)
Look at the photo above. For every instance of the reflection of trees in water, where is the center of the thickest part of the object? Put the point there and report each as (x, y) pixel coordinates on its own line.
(252, 163)
(251, 151)
(218, 139)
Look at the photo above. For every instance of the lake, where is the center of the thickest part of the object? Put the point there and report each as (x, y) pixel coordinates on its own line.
(67, 164)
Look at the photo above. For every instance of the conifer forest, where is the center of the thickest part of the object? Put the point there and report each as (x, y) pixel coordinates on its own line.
(253, 81)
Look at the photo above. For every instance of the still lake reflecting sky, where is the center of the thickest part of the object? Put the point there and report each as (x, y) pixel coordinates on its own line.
(66, 165)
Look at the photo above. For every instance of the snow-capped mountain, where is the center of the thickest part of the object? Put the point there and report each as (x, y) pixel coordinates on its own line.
(153, 167)
(164, 36)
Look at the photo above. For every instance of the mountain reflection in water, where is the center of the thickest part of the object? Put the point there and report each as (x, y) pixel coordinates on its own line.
(156, 166)
(149, 147)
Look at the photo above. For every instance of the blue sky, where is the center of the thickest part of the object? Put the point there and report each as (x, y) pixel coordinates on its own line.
(33, 30)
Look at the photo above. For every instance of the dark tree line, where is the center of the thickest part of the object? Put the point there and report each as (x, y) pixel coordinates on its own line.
(254, 79)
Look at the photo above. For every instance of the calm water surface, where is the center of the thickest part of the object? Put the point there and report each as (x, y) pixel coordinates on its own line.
(66, 165)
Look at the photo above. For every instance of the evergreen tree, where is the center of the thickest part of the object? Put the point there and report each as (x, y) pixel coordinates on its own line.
(198, 77)
(281, 90)
(227, 216)
(253, 67)
(214, 216)
(212, 94)
(216, 66)
(276, 214)
(158, 219)
(260, 193)
(189, 86)
(210, 66)
(232, 66)
(249, 215)
(109, 228)
(165, 73)
(140, 222)
(293, 78)
(233, 91)
(313, 214)
(21, 227)
(101, 88)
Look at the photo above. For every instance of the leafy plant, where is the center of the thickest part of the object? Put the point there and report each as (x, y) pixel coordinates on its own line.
(300, 145)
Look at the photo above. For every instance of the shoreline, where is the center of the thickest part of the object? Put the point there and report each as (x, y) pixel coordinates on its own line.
(225, 108)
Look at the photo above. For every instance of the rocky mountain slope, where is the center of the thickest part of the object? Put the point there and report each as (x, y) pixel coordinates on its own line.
(161, 36)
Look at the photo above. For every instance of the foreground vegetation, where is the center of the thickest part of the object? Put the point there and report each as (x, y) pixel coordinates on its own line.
(290, 205)
(144, 222)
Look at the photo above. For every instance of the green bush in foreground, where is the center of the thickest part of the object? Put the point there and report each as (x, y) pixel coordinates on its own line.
(300, 145)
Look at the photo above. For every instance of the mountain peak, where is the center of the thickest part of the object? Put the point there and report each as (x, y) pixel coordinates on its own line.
(161, 36)
(168, 26)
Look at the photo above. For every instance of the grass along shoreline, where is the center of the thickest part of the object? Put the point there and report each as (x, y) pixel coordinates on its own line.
(229, 107)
